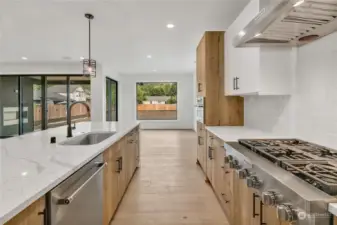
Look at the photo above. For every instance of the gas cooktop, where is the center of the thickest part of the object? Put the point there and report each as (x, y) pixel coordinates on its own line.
(312, 163)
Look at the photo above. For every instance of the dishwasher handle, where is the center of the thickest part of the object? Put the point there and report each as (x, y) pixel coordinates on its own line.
(68, 200)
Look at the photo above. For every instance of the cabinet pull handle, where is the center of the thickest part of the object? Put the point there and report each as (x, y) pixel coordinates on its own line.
(45, 217)
(254, 212)
(261, 212)
(199, 87)
(210, 153)
(234, 80)
(199, 141)
(237, 83)
(121, 163)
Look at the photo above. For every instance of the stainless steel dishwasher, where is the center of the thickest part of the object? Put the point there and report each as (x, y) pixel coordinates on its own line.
(79, 199)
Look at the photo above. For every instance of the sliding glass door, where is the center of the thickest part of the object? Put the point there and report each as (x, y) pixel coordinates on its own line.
(32, 103)
(9, 106)
(111, 100)
(30, 98)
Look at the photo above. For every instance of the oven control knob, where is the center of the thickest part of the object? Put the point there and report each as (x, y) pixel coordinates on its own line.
(270, 198)
(286, 213)
(234, 164)
(226, 160)
(243, 173)
(254, 182)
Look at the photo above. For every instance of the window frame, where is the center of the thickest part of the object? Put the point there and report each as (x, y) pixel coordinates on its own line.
(157, 82)
(108, 113)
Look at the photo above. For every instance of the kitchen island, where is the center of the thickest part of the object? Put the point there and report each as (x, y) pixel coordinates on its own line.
(31, 166)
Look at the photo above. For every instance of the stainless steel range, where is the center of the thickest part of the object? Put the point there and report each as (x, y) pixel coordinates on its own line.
(297, 177)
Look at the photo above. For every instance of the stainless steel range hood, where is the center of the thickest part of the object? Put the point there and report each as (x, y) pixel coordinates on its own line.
(290, 23)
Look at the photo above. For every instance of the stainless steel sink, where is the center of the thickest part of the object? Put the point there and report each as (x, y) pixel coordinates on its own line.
(88, 139)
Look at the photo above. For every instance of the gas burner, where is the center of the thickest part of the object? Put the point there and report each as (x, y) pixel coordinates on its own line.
(321, 174)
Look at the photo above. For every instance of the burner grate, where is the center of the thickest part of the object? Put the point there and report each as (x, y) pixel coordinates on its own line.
(321, 174)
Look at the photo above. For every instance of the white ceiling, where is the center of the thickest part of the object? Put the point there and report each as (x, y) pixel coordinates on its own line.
(124, 32)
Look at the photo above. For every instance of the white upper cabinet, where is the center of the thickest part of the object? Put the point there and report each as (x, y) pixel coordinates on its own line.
(256, 70)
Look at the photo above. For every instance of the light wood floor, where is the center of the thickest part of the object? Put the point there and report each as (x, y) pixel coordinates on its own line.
(169, 188)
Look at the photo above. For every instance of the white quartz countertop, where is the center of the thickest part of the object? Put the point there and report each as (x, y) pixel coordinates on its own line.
(234, 133)
(31, 166)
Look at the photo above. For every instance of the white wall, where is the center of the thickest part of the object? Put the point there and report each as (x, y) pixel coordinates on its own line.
(311, 112)
(185, 101)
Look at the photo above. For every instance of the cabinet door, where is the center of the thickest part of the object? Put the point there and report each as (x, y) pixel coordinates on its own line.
(210, 158)
(137, 143)
(243, 63)
(201, 67)
(270, 216)
(110, 183)
(201, 149)
(227, 195)
(219, 155)
(31, 215)
(121, 160)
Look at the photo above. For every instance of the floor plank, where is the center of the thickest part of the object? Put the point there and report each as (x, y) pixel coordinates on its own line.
(169, 188)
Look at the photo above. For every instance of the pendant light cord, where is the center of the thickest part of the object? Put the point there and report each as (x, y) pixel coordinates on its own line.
(90, 42)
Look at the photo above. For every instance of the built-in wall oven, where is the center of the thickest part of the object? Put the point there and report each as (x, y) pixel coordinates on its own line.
(200, 109)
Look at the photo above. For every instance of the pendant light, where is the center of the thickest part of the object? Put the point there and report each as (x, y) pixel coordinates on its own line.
(89, 65)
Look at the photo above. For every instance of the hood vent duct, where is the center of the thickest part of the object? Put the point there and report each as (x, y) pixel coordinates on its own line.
(290, 23)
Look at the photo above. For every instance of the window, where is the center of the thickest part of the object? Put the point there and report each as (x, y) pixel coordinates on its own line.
(31, 103)
(156, 101)
(111, 100)
(9, 106)
(57, 99)
(31, 89)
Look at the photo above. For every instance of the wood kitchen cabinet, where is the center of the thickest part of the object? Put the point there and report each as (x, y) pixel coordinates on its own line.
(110, 183)
(201, 148)
(201, 67)
(32, 215)
(122, 162)
(219, 110)
(210, 170)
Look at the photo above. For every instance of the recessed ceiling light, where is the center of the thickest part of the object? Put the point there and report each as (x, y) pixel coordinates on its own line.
(242, 33)
(170, 25)
(258, 34)
(81, 58)
(24, 174)
(24, 58)
(149, 56)
(154, 70)
(300, 2)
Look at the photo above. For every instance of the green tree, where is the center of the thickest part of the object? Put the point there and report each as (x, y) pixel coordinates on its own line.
(140, 94)
(172, 100)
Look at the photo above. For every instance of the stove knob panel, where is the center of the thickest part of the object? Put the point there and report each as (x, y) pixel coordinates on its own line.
(254, 182)
(271, 198)
(286, 213)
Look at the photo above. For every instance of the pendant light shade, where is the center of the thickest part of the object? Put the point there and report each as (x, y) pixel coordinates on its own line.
(89, 65)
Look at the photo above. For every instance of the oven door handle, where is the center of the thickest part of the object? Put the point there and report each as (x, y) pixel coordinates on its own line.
(72, 196)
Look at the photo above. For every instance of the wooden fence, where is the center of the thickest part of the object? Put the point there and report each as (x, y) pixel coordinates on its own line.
(157, 112)
(147, 107)
(59, 112)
